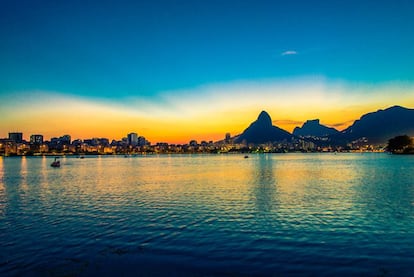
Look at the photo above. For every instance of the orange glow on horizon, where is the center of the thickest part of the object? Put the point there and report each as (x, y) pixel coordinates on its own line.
(83, 125)
(189, 116)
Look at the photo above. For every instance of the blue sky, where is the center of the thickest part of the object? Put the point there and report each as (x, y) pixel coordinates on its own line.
(115, 51)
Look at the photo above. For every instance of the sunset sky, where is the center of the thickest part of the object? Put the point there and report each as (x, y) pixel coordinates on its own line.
(178, 70)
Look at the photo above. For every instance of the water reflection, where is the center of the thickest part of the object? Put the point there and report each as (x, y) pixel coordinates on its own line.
(306, 191)
(390, 198)
(2, 189)
(269, 212)
(264, 183)
(44, 182)
(23, 174)
(1, 168)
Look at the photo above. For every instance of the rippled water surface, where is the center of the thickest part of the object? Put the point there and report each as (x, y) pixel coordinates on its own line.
(206, 215)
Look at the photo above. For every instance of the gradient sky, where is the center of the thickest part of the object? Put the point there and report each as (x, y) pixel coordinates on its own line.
(177, 70)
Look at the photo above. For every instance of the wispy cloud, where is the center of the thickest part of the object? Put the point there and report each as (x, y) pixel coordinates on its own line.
(289, 53)
(341, 125)
(287, 122)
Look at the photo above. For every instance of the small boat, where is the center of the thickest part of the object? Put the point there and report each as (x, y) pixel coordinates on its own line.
(55, 163)
(246, 157)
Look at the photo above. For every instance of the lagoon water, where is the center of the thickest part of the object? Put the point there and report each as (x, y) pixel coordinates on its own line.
(207, 215)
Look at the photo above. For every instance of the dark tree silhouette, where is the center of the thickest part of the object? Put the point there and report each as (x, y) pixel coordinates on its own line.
(399, 143)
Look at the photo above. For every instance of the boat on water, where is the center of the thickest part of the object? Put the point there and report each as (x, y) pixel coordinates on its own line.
(55, 163)
(246, 157)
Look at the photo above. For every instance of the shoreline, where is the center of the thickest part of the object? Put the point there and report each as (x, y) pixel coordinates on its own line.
(82, 155)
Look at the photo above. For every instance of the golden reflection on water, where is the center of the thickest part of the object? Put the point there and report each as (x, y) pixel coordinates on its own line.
(23, 174)
(2, 188)
(264, 184)
(319, 186)
(43, 173)
(230, 182)
(1, 170)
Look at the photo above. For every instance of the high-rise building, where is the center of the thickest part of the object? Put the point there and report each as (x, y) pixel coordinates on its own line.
(36, 139)
(132, 139)
(142, 141)
(16, 137)
(65, 139)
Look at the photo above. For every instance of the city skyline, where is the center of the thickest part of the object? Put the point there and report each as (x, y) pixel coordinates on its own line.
(180, 70)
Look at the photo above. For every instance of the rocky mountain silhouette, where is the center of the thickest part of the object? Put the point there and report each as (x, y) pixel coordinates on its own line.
(380, 126)
(262, 131)
(312, 128)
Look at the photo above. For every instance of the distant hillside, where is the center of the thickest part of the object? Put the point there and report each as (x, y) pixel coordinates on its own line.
(262, 131)
(380, 126)
(377, 127)
(313, 128)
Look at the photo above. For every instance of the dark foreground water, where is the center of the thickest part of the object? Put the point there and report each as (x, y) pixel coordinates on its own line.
(207, 215)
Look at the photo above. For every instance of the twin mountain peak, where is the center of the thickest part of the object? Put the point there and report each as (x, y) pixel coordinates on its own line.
(376, 127)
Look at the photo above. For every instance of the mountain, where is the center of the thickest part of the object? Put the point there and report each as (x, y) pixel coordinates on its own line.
(313, 128)
(262, 131)
(382, 125)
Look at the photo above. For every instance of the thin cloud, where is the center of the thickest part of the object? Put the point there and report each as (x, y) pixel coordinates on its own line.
(287, 122)
(289, 53)
(341, 125)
